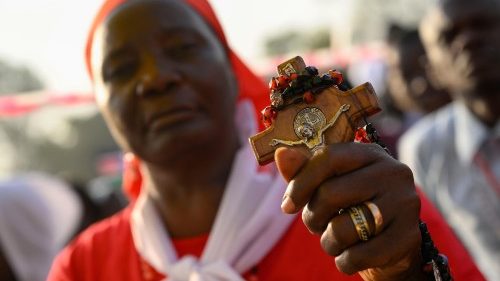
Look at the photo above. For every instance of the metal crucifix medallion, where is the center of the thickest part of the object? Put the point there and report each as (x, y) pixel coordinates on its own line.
(310, 111)
(309, 125)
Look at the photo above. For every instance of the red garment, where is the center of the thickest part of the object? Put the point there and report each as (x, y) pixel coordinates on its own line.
(106, 252)
(461, 263)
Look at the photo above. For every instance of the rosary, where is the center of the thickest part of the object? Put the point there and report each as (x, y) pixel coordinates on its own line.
(308, 111)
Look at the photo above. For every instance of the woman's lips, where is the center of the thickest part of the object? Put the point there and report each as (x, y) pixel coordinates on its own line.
(170, 118)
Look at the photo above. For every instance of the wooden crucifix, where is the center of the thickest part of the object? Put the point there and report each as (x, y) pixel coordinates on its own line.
(309, 111)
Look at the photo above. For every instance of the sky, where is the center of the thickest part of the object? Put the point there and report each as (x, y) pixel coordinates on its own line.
(48, 36)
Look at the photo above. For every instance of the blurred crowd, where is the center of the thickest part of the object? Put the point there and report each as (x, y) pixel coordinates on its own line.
(439, 89)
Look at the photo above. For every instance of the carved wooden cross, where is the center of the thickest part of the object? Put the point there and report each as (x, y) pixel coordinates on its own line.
(333, 116)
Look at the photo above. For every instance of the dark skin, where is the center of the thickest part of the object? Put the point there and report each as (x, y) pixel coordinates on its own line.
(189, 86)
(188, 159)
(463, 38)
(410, 84)
(348, 174)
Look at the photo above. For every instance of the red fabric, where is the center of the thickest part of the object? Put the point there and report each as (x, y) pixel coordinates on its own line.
(461, 263)
(190, 246)
(105, 251)
(132, 177)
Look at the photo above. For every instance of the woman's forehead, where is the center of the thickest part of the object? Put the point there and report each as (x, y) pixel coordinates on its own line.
(137, 16)
(135, 21)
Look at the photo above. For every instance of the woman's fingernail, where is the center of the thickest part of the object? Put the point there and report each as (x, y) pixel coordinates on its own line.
(287, 205)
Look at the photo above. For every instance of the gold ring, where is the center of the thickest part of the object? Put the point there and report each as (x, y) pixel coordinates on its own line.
(360, 223)
(377, 216)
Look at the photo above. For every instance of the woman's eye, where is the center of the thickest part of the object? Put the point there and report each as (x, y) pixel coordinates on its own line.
(183, 51)
(120, 71)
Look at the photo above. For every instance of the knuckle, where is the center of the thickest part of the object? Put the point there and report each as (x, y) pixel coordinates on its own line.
(350, 263)
(338, 240)
(294, 193)
(403, 171)
(414, 202)
(406, 172)
(415, 238)
(329, 244)
(357, 262)
(310, 221)
(411, 202)
(329, 196)
(326, 193)
(374, 150)
(400, 176)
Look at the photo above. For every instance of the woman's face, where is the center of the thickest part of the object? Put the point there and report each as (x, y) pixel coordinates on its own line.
(163, 81)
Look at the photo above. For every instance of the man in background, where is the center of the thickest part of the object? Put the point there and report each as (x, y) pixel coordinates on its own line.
(455, 153)
(411, 85)
(412, 91)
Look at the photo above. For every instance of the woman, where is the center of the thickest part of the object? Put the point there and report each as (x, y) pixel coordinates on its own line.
(167, 84)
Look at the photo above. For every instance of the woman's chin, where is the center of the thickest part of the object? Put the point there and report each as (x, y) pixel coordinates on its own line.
(180, 142)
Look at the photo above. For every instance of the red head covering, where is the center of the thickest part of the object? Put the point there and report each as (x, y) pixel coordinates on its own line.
(250, 86)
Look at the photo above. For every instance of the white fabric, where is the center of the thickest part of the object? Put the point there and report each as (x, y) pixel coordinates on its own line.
(470, 133)
(38, 215)
(248, 224)
(440, 149)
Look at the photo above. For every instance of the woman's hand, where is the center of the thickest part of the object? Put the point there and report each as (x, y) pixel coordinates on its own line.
(340, 176)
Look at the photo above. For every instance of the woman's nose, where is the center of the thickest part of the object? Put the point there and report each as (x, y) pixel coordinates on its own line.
(157, 77)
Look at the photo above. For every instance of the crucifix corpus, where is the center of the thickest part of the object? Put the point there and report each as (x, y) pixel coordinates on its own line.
(309, 111)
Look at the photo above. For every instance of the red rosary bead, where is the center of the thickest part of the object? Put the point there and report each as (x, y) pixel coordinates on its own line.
(337, 76)
(308, 97)
(283, 81)
(273, 84)
(427, 268)
(361, 136)
(268, 116)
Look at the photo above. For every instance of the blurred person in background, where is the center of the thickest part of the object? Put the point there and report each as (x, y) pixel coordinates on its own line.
(68, 140)
(71, 150)
(39, 215)
(411, 93)
(455, 152)
(181, 103)
(411, 87)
